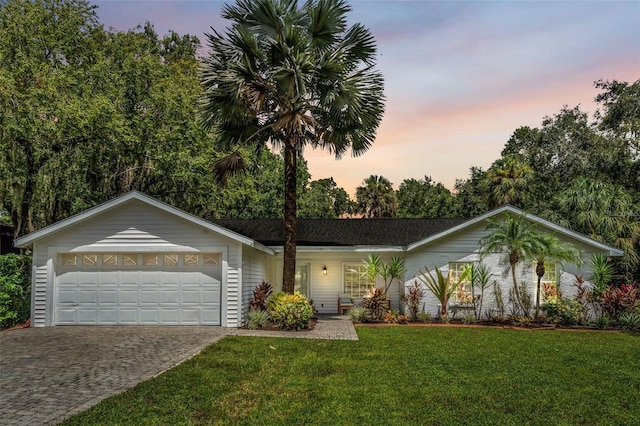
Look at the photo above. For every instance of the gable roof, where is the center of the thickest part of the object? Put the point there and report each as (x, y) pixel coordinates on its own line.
(612, 251)
(27, 240)
(342, 232)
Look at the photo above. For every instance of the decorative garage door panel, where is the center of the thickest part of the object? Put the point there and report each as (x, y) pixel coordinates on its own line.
(144, 297)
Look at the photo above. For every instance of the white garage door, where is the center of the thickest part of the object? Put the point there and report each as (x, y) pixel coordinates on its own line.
(138, 289)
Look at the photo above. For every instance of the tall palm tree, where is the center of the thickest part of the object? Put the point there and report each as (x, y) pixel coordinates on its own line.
(507, 181)
(376, 198)
(515, 237)
(291, 76)
(552, 250)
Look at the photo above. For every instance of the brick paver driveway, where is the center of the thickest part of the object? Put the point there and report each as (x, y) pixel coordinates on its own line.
(47, 374)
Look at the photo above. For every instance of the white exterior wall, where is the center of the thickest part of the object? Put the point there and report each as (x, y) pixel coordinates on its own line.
(134, 227)
(324, 289)
(254, 270)
(464, 247)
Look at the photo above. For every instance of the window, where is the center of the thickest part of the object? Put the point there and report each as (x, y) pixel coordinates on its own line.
(548, 284)
(109, 259)
(355, 283)
(149, 259)
(129, 259)
(463, 293)
(89, 259)
(170, 259)
(211, 259)
(191, 259)
(68, 259)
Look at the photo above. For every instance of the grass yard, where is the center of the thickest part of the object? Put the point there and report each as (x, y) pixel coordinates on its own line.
(395, 376)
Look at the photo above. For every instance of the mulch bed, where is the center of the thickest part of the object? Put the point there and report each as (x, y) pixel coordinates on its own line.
(533, 327)
(269, 326)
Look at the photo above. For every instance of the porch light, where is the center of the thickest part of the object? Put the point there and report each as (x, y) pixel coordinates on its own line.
(324, 270)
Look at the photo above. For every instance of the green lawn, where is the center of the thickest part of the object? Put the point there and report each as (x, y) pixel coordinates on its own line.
(395, 375)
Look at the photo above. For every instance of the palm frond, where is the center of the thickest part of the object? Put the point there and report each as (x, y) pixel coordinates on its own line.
(228, 165)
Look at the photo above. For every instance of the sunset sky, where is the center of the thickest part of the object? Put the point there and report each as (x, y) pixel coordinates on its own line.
(460, 76)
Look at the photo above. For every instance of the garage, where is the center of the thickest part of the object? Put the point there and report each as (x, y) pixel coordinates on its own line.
(138, 289)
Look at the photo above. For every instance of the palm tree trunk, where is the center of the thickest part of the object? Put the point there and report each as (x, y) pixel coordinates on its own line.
(516, 292)
(290, 212)
(538, 297)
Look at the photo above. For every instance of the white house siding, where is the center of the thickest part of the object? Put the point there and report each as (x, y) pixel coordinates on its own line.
(254, 270)
(324, 289)
(133, 227)
(464, 247)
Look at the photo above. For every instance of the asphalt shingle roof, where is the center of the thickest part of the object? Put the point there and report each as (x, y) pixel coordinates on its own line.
(341, 232)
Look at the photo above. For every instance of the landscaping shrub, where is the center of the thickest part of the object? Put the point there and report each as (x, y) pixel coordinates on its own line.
(358, 314)
(601, 323)
(469, 319)
(376, 302)
(290, 311)
(257, 319)
(564, 311)
(617, 300)
(15, 289)
(390, 317)
(424, 317)
(260, 295)
(413, 298)
(629, 321)
(403, 319)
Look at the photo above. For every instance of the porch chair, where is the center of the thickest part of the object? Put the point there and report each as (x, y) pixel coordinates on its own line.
(345, 302)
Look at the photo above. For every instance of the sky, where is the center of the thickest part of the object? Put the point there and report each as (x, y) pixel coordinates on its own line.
(460, 76)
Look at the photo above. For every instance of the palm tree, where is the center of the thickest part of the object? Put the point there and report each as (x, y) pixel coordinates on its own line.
(291, 76)
(552, 250)
(507, 181)
(515, 237)
(605, 212)
(376, 198)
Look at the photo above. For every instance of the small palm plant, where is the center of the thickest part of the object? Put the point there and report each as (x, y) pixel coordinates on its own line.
(441, 286)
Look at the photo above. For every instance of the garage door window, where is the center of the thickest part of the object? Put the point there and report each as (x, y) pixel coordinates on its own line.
(129, 259)
(109, 259)
(112, 260)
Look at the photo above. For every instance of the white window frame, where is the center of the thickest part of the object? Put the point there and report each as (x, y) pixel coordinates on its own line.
(464, 292)
(358, 269)
(549, 281)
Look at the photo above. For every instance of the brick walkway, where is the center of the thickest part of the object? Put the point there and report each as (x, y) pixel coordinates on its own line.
(48, 374)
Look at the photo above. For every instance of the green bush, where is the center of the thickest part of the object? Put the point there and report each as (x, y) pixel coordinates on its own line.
(629, 321)
(290, 311)
(257, 319)
(424, 317)
(15, 289)
(564, 311)
(358, 314)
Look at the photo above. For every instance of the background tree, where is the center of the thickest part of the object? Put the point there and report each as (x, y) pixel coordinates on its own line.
(87, 114)
(507, 182)
(324, 199)
(604, 212)
(376, 198)
(471, 195)
(425, 198)
(292, 76)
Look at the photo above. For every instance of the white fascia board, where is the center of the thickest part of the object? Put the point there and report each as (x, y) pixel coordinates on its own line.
(343, 249)
(134, 195)
(510, 209)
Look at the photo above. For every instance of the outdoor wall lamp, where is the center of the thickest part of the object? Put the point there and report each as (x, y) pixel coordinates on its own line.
(324, 270)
